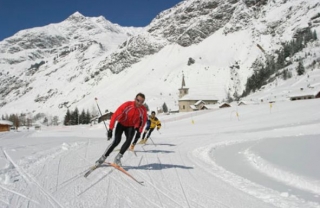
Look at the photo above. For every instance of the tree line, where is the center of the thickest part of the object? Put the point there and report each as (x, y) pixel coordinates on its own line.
(75, 117)
(72, 117)
(264, 71)
(25, 119)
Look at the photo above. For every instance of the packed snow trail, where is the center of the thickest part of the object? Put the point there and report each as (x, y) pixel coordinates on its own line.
(192, 165)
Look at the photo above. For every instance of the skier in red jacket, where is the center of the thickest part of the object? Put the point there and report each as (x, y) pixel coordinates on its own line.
(130, 116)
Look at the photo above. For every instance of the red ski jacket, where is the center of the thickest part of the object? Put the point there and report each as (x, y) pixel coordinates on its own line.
(128, 114)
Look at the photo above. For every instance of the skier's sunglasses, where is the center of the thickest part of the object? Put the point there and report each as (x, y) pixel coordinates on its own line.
(139, 101)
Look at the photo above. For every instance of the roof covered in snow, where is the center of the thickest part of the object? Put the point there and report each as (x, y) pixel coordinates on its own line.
(4, 122)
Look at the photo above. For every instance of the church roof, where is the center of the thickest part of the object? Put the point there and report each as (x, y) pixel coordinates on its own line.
(199, 97)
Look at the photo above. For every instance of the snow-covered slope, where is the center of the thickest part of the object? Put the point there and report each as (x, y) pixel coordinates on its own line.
(67, 65)
(204, 159)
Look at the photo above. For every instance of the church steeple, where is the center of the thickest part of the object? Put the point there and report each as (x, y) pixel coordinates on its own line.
(183, 90)
(183, 82)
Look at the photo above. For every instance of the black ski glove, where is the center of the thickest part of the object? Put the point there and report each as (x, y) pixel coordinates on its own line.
(109, 134)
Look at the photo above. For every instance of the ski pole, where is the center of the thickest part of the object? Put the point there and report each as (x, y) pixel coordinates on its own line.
(152, 142)
(100, 113)
(159, 131)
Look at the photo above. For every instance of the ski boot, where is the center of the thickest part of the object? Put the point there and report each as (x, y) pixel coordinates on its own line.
(141, 142)
(145, 141)
(100, 160)
(117, 159)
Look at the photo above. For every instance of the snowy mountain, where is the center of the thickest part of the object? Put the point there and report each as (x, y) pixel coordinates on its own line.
(66, 65)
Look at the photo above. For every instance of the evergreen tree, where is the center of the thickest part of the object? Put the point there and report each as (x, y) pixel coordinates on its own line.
(300, 68)
(88, 117)
(285, 74)
(287, 50)
(282, 55)
(82, 117)
(315, 37)
(67, 118)
(292, 47)
(165, 108)
(298, 44)
(308, 36)
(191, 61)
(75, 117)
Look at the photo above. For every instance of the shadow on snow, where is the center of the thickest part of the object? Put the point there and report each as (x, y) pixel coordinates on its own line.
(156, 166)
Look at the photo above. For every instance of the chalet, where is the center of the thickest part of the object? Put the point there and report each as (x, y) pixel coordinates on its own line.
(5, 125)
(243, 102)
(305, 94)
(98, 119)
(224, 105)
(210, 107)
(104, 117)
(193, 102)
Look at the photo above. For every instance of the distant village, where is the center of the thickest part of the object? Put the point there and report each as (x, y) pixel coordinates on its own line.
(187, 103)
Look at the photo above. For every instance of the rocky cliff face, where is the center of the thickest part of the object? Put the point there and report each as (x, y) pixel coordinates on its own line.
(187, 23)
(190, 22)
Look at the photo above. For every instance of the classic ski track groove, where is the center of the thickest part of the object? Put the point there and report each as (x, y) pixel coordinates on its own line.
(124, 185)
(107, 173)
(30, 180)
(204, 194)
(66, 182)
(152, 181)
(116, 181)
(187, 185)
(181, 186)
(157, 190)
(16, 193)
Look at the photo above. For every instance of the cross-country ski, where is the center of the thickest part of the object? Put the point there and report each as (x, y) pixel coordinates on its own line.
(91, 169)
(121, 169)
(109, 164)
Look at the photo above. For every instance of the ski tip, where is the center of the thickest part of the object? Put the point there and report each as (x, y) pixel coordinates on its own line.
(86, 175)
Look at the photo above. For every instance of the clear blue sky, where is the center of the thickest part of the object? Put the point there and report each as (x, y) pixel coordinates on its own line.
(16, 15)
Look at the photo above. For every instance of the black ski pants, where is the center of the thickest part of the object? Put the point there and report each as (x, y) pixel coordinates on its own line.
(120, 129)
(148, 135)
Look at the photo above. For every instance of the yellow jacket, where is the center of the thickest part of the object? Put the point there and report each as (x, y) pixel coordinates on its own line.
(153, 123)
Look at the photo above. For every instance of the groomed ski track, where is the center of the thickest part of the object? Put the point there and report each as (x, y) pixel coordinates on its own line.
(179, 172)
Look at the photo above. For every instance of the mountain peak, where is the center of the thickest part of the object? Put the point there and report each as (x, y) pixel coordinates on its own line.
(77, 16)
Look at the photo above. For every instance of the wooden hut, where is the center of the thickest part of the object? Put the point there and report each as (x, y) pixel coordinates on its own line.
(5, 125)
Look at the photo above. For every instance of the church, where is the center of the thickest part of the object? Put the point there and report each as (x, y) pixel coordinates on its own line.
(193, 102)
